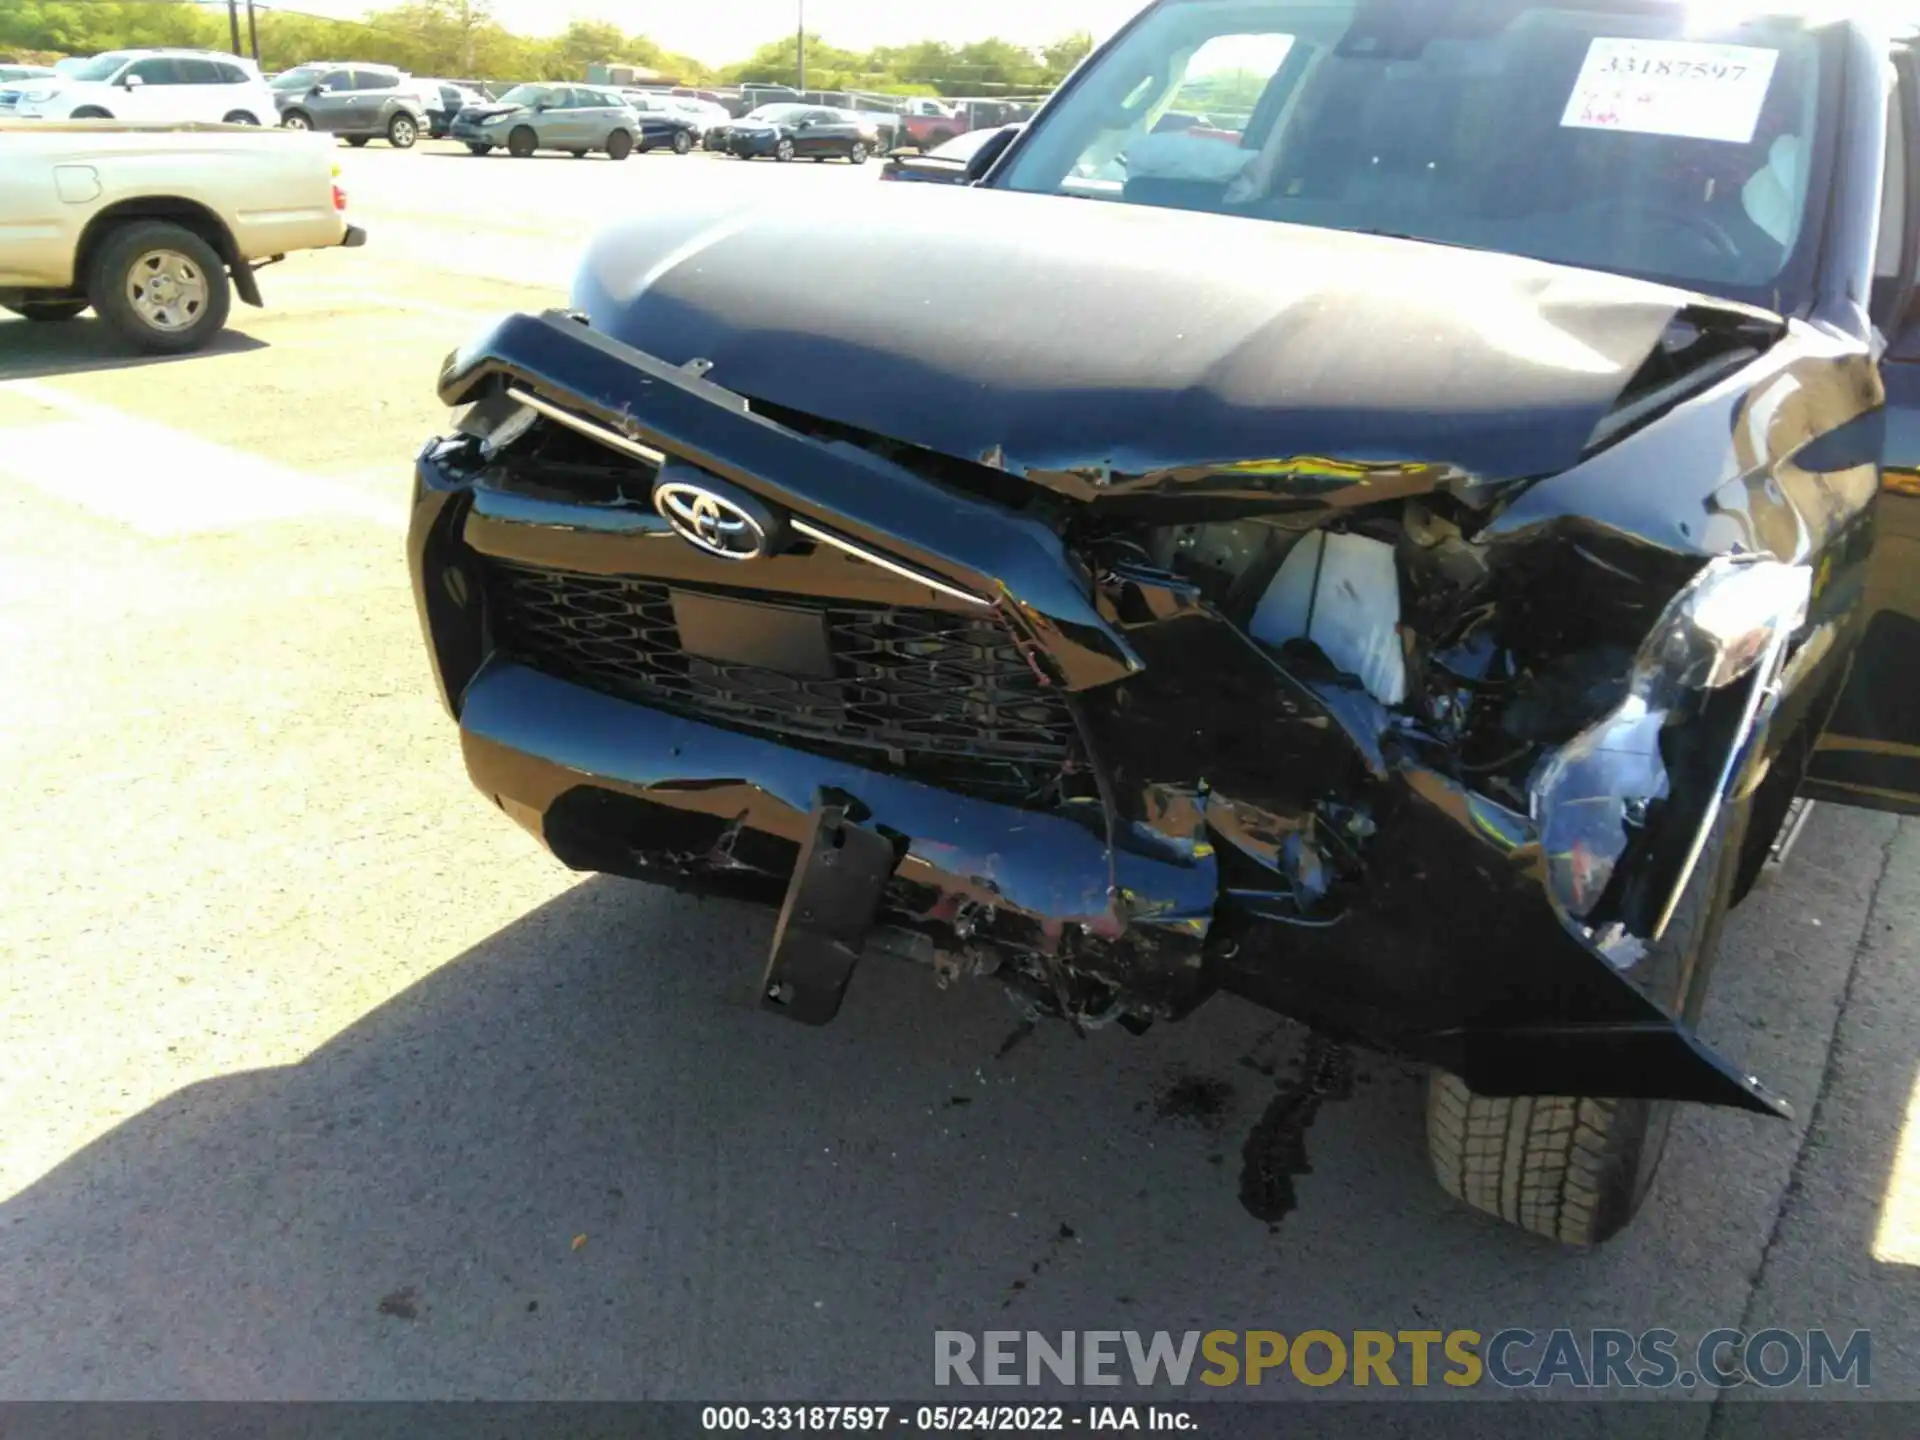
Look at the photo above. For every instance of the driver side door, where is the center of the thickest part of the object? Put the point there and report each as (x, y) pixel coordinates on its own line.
(157, 95)
(1869, 753)
(813, 134)
(332, 109)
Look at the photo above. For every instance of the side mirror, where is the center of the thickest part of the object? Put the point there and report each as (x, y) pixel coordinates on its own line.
(132, 82)
(314, 89)
(539, 106)
(983, 158)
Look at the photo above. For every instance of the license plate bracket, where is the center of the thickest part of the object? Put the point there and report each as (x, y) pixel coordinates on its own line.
(829, 908)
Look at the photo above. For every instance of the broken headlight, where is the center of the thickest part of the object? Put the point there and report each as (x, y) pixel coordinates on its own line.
(1589, 796)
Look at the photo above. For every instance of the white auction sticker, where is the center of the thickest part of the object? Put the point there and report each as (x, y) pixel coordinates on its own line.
(1687, 88)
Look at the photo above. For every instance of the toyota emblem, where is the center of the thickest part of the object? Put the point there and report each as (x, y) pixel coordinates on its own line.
(710, 521)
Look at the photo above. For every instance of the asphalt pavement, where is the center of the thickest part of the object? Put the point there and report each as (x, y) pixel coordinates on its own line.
(319, 1080)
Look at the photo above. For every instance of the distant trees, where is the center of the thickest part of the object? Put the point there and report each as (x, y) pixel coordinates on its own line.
(461, 38)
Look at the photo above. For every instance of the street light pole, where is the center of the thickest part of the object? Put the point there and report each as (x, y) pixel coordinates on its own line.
(803, 46)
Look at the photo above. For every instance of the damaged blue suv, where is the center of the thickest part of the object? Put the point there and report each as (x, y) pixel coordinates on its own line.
(1392, 546)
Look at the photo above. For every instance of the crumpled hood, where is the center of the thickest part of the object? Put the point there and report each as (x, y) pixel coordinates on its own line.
(1109, 343)
(483, 112)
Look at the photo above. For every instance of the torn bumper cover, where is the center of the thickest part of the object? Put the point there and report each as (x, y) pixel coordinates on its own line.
(1120, 814)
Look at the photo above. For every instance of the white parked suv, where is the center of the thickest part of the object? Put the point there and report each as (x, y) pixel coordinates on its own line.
(169, 85)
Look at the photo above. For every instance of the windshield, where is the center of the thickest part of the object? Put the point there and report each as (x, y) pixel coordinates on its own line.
(100, 67)
(298, 78)
(524, 95)
(1611, 134)
(772, 114)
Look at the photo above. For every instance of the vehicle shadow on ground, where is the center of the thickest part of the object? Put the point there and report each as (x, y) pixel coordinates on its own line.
(34, 351)
(578, 1160)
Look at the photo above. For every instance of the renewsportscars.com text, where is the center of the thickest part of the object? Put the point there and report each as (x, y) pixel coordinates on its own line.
(1512, 1358)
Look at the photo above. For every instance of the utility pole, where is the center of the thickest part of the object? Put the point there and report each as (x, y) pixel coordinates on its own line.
(233, 23)
(803, 46)
(253, 34)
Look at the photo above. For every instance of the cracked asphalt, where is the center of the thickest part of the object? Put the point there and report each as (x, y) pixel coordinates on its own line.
(320, 1081)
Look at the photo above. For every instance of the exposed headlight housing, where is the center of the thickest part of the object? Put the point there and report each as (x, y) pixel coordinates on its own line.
(1589, 796)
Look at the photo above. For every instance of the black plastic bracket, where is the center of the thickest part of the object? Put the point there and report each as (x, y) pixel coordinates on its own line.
(830, 905)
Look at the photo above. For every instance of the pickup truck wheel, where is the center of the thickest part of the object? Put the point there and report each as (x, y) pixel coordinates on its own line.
(619, 145)
(49, 311)
(478, 148)
(239, 117)
(682, 142)
(402, 131)
(356, 141)
(161, 286)
(783, 150)
(1577, 1168)
(295, 120)
(522, 142)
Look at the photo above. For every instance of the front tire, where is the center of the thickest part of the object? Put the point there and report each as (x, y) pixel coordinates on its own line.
(402, 132)
(857, 155)
(682, 143)
(357, 141)
(783, 151)
(522, 143)
(49, 312)
(295, 120)
(619, 145)
(92, 112)
(1577, 1168)
(239, 117)
(479, 149)
(161, 286)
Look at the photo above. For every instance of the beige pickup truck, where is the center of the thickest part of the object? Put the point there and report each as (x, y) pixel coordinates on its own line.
(155, 227)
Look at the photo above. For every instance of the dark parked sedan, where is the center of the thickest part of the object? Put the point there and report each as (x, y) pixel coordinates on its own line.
(801, 132)
(663, 126)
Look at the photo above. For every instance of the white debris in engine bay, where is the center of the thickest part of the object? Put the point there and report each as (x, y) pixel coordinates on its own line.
(1342, 592)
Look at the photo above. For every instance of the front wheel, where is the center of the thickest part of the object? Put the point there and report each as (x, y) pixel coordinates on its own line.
(783, 151)
(682, 142)
(1577, 1168)
(92, 112)
(161, 286)
(522, 143)
(49, 312)
(356, 141)
(402, 131)
(857, 155)
(295, 120)
(239, 117)
(479, 149)
(619, 145)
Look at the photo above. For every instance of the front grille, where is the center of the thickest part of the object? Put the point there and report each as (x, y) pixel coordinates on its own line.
(941, 695)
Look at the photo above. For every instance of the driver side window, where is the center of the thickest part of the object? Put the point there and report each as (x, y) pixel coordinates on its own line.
(157, 71)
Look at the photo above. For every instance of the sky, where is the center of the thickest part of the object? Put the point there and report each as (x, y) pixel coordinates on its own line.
(718, 31)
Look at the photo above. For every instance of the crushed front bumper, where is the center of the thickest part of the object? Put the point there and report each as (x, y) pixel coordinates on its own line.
(1157, 894)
